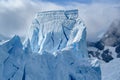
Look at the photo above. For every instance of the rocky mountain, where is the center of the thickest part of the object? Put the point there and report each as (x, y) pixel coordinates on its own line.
(108, 47)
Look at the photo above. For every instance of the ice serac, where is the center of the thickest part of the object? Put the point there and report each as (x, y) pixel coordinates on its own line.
(60, 38)
(12, 59)
(55, 50)
(57, 30)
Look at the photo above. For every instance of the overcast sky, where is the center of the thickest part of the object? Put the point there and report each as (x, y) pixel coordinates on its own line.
(16, 15)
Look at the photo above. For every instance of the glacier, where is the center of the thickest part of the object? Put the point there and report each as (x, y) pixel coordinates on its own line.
(55, 30)
(55, 49)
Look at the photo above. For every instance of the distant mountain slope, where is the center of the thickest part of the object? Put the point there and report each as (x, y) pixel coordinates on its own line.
(108, 47)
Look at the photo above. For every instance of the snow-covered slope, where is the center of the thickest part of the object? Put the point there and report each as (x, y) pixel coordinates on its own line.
(55, 50)
(111, 70)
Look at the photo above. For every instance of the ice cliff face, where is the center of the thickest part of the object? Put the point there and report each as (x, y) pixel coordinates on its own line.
(55, 50)
(12, 60)
(56, 30)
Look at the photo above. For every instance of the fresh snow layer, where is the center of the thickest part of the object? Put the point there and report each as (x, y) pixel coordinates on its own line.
(55, 50)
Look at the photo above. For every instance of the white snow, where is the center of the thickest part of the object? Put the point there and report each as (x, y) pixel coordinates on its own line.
(111, 70)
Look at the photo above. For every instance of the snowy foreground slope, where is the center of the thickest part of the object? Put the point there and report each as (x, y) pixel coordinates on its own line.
(54, 50)
(111, 70)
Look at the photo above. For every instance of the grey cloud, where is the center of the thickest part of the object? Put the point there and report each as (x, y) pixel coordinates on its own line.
(14, 21)
(17, 19)
(97, 17)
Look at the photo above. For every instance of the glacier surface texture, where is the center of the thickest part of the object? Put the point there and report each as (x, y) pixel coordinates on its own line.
(55, 49)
